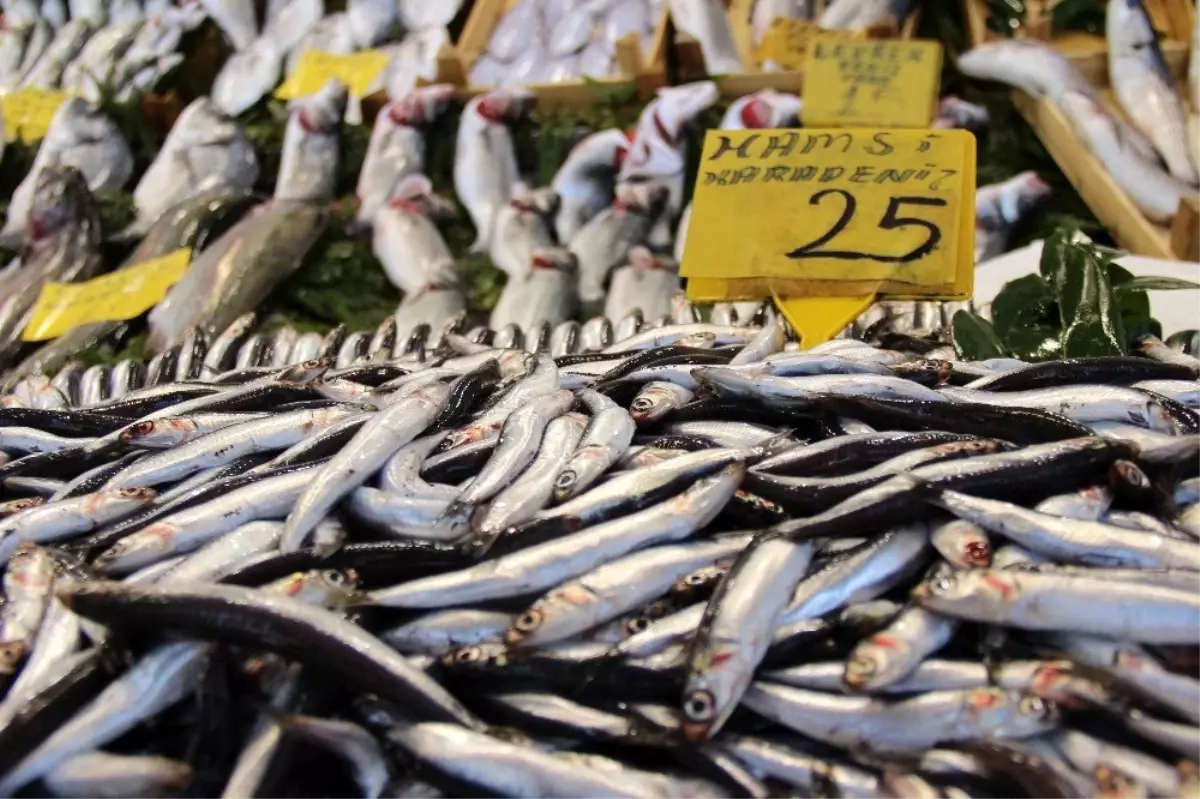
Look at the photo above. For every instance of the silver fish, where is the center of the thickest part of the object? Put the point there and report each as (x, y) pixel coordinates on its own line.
(80, 136)
(238, 271)
(1144, 87)
(545, 292)
(236, 18)
(408, 243)
(606, 241)
(309, 163)
(397, 146)
(485, 162)
(584, 182)
(1000, 206)
(648, 282)
(204, 152)
(248, 76)
(102, 774)
(521, 228)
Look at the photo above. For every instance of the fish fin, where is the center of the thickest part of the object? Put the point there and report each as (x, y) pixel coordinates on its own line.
(456, 513)
(777, 444)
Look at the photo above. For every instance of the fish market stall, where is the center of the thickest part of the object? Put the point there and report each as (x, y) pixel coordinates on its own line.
(364, 442)
(1093, 112)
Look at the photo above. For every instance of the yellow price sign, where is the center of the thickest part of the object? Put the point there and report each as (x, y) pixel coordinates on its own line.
(787, 41)
(357, 70)
(881, 83)
(28, 113)
(835, 213)
(109, 298)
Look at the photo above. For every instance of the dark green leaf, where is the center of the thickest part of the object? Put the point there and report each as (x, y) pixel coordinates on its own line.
(1081, 15)
(1095, 327)
(1151, 283)
(1021, 303)
(975, 339)
(1038, 343)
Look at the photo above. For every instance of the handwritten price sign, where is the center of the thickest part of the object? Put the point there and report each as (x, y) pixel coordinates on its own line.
(357, 70)
(830, 211)
(118, 296)
(28, 113)
(871, 83)
(787, 41)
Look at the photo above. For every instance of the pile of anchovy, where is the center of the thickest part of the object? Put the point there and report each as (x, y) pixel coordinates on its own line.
(686, 560)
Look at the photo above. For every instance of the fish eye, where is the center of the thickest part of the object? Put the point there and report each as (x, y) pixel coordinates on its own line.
(695, 578)
(566, 479)
(528, 621)
(335, 578)
(468, 654)
(700, 706)
(861, 665)
(132, 493)
(1036, 706)
(642, 404)
(944, 584)
(636, 625)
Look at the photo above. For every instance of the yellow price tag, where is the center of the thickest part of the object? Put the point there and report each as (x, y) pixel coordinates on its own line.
(879, 83)
(836, 213)
(357, 70)
(109, 298)
(28, 113)
(787, 41)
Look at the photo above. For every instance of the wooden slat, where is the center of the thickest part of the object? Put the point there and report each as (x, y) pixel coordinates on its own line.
(1093, 182)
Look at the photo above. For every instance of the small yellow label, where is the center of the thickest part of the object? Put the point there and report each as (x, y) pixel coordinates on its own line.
(836, 212)
(878, 83)
(357, 70)
(787, 41)
(109, 298)
(28, 113)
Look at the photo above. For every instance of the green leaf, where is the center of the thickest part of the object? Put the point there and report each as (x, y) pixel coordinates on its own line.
(975, 339)
(1020, 303)
(1151, 283)
(1096, 327)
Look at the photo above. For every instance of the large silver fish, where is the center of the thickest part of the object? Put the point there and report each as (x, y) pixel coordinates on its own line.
(1144, 87)
(863, 13)
(190, 223)
(205, 150)
(97, 61)
(62, 244)
(47, 71)
(397, 146)
(408, 243)
(544, 294)
(308, 167)
(605, 242)
(999, 206)
(648, 283)
(584, 182)
(248, 76)
(485, 160)
(82, 137)
(238, 271)
(706, 22)
(429, 305)
(521, 227)
(236, 19)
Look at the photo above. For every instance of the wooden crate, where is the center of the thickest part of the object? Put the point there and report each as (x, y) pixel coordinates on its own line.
(689, 60)
(1095, 185)
(645, 71)
(1089, 52)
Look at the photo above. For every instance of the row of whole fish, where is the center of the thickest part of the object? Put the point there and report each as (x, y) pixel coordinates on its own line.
(695, 561)
(1152, 157)
(553, 41)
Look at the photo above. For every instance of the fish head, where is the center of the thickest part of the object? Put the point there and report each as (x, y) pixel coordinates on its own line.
(581, 471)
(503, 106)
(422, 106)
(558, 259)
(771, 109)
(716, 679)
(202, 122)
(148, 545)
(160, 432)
(1128, 27)
(675, 106)
(525, 628)
(640, 257)
(1021, 194)
(18, 505)
(872, 661)
(481, 658)
(60, 197)
(321, 114)
(655, 401)
(650, 158)
(642, 197)
(328, 588)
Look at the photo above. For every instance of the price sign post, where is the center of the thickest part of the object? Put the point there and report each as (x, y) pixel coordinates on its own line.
(357, 70)
(121, 295)
(871, 83)
(826, 221)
